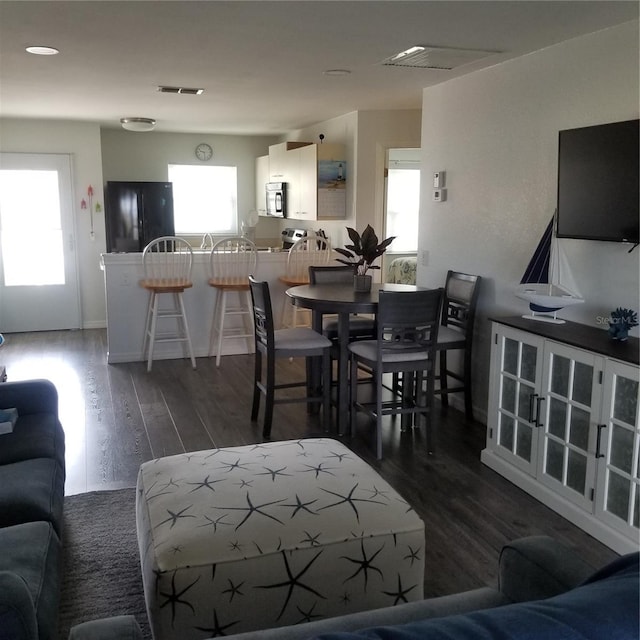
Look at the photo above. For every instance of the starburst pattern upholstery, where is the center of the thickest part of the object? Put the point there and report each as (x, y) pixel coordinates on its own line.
(271, 534)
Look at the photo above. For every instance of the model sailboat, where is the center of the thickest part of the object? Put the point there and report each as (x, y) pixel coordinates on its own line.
(547, 284)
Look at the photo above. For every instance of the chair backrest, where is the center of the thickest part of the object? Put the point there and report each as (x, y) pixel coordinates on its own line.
(310, 250)
(262, 314)
(330, 274)
(460, 300)
(232, 259)
(167, 260)
(408, 321)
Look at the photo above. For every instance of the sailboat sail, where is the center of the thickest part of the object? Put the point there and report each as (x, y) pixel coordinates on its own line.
(544, 280)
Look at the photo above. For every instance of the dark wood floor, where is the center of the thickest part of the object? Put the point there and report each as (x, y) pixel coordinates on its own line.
(117, 416)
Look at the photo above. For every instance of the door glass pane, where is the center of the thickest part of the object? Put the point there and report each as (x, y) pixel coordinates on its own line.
(528, 366)
(621, 448)
(505, 438)
(557, 418)
(510, 363)
(618, 496)
(554, 462)
(582, 381)
(576, 471)
(560, 375)
(30, 217)
(524, 401)
(625, 404)
(508, 395)
(403, 206)
(523, 442)
(579, 428)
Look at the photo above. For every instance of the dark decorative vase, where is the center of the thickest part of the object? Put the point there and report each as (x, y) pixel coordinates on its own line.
(362, 284)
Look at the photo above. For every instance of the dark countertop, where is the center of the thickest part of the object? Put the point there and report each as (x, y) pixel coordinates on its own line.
(578, 335)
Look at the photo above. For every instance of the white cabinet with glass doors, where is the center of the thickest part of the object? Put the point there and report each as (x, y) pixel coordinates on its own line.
(563, 425)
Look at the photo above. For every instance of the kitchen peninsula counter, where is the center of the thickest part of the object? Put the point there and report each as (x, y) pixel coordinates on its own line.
(126, 304)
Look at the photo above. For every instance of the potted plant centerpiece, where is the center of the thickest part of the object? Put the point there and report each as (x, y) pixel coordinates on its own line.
(361, 254)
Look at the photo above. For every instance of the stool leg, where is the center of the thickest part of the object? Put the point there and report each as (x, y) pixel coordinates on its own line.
(223, 310)
(255, 406)
(186, 329)
(468, 397)
(152, 332)
(214, 320)
(270, 397)
(444, 398)
(250, 331)
(147, 326)
(326, 389)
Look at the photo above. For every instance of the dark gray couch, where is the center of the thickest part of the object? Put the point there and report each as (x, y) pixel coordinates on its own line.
(533, 572)
(32, 474)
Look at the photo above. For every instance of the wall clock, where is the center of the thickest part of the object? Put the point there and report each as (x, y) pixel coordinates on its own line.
(204, 152)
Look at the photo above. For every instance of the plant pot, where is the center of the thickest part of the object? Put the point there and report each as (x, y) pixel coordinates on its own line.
(362, 284)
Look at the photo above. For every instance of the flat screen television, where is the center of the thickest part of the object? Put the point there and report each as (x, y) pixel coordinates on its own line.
(598, 183)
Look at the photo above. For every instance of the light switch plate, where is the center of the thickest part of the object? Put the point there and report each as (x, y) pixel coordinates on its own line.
(439, 195)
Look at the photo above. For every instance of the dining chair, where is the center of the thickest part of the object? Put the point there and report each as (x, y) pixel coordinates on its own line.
(310, 250)
(456, 333)
(231, 260)
(407, 332)
(167, 263)
(271, 344)
(359, 326)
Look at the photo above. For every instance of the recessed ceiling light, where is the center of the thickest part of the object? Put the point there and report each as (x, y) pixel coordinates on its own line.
(336, 72)
(42, 51)
(138, 124)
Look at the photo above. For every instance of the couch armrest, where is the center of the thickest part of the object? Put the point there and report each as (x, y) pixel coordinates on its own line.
(17, 614)
(29, 396)
(116, 628)
(539, 567)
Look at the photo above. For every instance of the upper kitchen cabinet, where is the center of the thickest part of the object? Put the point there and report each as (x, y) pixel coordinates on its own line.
(279, 160)
(316, 180)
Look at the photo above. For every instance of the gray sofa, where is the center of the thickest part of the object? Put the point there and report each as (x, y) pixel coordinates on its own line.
(534, 572)
(32, 474)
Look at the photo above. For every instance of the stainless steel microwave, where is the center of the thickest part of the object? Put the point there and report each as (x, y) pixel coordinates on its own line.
(276, 199)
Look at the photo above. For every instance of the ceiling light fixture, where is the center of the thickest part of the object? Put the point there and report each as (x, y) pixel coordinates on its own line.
(138, 124)
(336, 72)
(408, 52)
(42, 51)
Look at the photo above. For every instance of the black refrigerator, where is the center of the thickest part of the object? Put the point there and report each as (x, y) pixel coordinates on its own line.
(136, 213)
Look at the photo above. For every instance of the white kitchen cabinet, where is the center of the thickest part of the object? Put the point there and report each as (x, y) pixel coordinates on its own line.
(262, 177)
(316, 182)
(280, 162)
(563, 423)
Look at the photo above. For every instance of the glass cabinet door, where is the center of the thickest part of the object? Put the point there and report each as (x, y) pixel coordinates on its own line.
(571, 404)
(515, 401)
(618, 486)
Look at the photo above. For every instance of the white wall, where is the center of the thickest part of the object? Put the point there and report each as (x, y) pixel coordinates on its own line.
(495, 132)
(82, 142)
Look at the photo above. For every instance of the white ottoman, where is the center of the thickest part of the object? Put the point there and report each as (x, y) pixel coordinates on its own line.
(271, 534)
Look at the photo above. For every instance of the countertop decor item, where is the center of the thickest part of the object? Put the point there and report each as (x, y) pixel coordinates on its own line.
(362, 253)
(620, 322)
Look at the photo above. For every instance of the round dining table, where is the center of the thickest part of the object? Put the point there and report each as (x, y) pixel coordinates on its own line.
(341, 300)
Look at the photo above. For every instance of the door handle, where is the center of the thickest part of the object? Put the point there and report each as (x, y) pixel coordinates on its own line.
(531, 399)
(539, 401)
(599, 427)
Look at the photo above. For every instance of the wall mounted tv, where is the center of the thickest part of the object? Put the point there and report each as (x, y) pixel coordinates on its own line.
(598, 183)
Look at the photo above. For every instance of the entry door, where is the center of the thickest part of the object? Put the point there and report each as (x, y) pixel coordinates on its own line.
(38, 274)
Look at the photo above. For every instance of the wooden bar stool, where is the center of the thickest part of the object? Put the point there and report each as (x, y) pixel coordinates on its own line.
(167, 263)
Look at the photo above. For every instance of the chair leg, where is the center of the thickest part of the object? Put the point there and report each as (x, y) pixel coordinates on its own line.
(249, 330)
(326, 389)
(468, 396)
(214, 322)
(223, 312)
(444, 398)
(428, 402)
(255, 405)
(378, 434)
(353, 378)
(147, 326)
(270, 396)
(152, 330)
(185, 327)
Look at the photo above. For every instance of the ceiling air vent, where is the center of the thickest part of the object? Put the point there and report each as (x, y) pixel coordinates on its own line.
(426, 57)
(185, 90)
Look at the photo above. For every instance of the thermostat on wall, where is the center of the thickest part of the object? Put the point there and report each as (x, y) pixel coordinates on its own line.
(439, 195)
